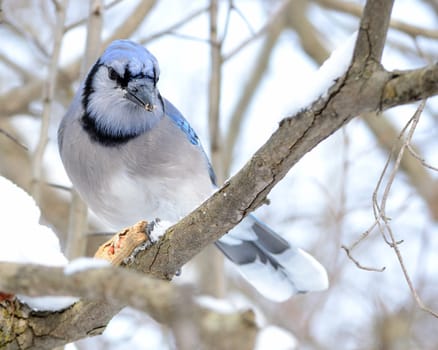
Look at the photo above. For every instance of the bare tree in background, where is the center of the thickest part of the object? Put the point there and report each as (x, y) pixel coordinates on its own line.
(40, 87)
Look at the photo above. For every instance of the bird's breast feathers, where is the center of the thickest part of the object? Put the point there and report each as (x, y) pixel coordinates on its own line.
(128, 199)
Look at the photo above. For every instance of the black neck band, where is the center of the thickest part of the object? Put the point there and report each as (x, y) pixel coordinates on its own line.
(98, 135)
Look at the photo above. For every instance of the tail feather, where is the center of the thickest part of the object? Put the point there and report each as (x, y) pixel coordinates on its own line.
(267, 261)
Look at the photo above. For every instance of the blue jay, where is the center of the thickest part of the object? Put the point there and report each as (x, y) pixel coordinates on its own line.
(121, 142)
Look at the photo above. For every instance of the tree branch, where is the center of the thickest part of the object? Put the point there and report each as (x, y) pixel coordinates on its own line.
(109, 289)
(406, 85)
(113, 285)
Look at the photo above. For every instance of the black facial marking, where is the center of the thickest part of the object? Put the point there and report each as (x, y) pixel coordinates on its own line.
(88, 86)
(96, 133)
(100, 136)
(123, 81)
(155, 77)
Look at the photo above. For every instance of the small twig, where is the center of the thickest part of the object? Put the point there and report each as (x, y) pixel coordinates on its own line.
(171, 29)
(363, 236)
(413, 122)
(421, 159)
(411, 286)
(379, 209)
(227, 20)
(59, 187)
(243, 17)
(85, 19)
(14, 139)
(358, 264)
(260, 32)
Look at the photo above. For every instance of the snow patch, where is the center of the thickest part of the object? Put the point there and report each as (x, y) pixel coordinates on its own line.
(24, 240)
(318, 84)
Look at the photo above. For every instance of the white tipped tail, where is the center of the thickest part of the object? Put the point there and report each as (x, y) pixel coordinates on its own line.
(268, 262)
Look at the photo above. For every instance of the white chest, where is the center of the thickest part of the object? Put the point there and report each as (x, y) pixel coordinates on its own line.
(129, 199)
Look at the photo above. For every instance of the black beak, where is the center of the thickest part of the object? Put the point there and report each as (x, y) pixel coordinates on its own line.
(142, 95)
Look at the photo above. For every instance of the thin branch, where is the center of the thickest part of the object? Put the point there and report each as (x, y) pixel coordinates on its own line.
(227, 20)
(171, 29)
(49, 93)
(242, 16)
(380, 209)
(260, 32)
(356, 10)
(420, 158)
(358, 264)
(59, 187)
(13, 139)
(423, 182)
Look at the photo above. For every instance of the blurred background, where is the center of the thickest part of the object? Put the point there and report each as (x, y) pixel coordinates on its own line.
(235, 69)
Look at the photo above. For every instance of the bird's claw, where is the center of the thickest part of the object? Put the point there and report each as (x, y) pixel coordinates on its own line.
(150, 240)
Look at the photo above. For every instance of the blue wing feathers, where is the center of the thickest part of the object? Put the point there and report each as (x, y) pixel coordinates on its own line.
(175, 115)
(181, 122)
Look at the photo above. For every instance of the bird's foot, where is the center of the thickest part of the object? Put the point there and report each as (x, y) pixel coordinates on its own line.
(154, 230)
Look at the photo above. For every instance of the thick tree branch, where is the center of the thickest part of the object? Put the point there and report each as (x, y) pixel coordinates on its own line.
(114, 285)
(109, 289)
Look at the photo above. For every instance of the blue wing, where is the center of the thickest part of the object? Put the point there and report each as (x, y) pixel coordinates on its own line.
(176, 116)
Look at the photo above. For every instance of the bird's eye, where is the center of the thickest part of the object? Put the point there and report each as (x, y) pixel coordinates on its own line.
(112, 74)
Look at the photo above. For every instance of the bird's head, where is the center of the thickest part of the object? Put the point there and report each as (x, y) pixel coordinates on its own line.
(120, 94)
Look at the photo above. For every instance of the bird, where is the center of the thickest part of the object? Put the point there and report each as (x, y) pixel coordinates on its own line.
(121, 142)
